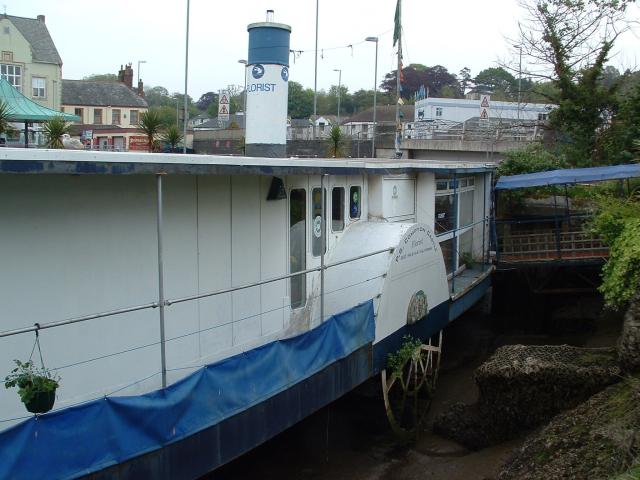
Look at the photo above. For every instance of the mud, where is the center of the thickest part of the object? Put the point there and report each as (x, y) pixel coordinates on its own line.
(351, 439)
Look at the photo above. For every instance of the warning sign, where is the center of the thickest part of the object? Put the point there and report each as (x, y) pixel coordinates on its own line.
(484, 103)
(484, 114)
(223, 106)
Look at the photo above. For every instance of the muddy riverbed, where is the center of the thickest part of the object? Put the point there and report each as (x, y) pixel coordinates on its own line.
(351, 439)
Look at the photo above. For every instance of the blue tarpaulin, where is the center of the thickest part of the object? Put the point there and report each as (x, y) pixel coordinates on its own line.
(568, 176)
(79, 440)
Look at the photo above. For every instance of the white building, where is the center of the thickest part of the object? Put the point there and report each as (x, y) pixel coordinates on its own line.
(461, 110)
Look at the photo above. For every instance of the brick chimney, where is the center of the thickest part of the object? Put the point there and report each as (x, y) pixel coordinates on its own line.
(125, 75)
(40, 18)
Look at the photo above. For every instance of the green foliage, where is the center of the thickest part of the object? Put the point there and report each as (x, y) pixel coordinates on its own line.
(54, 129)
(105, 77)
(31, 380)
(172, 136)
(396, 361)
(502, 84)
(619, 143)
(617, 222)
(532, 158)
(4, 118)
(335, 142)
(151, 125)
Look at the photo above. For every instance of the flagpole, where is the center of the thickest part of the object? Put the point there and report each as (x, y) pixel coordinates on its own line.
(398, 33)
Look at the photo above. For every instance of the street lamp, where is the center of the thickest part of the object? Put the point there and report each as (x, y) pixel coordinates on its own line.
(244, 62)
(519, 47)
(375, 91)
(339, 88)
(139, 62)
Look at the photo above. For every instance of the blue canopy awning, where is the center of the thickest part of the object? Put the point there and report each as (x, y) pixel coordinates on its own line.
(568, 176)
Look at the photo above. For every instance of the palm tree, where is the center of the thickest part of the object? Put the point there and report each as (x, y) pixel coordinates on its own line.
(54, 129)
(335, 142)
(4, 117)
(151, 125)
(172, 136)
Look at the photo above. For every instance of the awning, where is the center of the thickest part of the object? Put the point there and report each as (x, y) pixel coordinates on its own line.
(568, 176)
(22, 109)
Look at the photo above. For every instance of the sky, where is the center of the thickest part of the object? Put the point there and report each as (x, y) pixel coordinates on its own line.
(98, 37)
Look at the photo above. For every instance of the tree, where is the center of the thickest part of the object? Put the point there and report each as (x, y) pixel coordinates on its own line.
(151, 125)
(54, 129)
(206, 99)
(300, 103)
(172, 136)
(5, 127)
(568, 42)
(335, 142)
(106, 77)
(415, 75)
(157, 96)
(466, 82)
(498, 82)
(618, 144)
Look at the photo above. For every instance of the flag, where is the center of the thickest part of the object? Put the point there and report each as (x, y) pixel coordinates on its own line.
(397, 23)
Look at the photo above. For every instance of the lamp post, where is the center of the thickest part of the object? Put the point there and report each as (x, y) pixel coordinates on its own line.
(375, 91)
(519, 47)
(339, 88)
(244, 109)
(186, 74)
(139, 62)
(315, 77)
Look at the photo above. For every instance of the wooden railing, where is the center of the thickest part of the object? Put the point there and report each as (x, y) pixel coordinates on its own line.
(550, 245)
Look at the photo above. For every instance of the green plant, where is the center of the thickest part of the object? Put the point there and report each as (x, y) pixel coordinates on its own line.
(31, 380)
(54, 129)
(151, 125)
(4, 118)
(396, 361)
(172, 136)
(335, 142)
(467, 259)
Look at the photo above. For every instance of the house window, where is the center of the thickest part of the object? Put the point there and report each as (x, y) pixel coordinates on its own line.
(115, 116)
(543, 116)
(97, 116)
(438, 111)
(80, 113)
(337, 209)
(12, 74)
(298, 245)
(133, 117)
(354, 202)
(38, 85)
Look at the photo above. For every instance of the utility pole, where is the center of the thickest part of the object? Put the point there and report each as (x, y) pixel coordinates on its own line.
(186, 73)
(339, 90)
(315, 77)
(375, 91)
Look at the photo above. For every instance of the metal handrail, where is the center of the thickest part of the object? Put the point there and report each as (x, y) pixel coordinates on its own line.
(39, 326)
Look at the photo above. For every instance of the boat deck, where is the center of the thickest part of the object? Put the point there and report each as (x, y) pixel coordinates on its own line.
(467, 279)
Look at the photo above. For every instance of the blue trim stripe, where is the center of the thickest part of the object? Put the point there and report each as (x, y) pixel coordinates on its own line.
(90, 437)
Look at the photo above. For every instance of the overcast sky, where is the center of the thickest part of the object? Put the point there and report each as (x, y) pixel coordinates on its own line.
(97, 37)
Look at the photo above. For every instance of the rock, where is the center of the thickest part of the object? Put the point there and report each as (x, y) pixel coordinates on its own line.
(629, 343)
(596, 440)
(523, 386)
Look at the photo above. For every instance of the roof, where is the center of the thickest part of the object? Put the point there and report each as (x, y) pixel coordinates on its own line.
(384, 114)
(568, 176)
(43, 161)
(200, 116)
(35, 32)
(100, 93)
(22, 109)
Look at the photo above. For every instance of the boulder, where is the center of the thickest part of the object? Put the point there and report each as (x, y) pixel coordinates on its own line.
(629, 343)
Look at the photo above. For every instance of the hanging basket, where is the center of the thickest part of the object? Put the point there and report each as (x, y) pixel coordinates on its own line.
(41, 402)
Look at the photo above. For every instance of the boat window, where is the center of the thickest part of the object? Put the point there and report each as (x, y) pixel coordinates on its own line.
(445, 213)
(448, 247)
(317, 225)
(355, 200)
(441, 185)
(337, 209)
(298, 245)
(466, 208)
